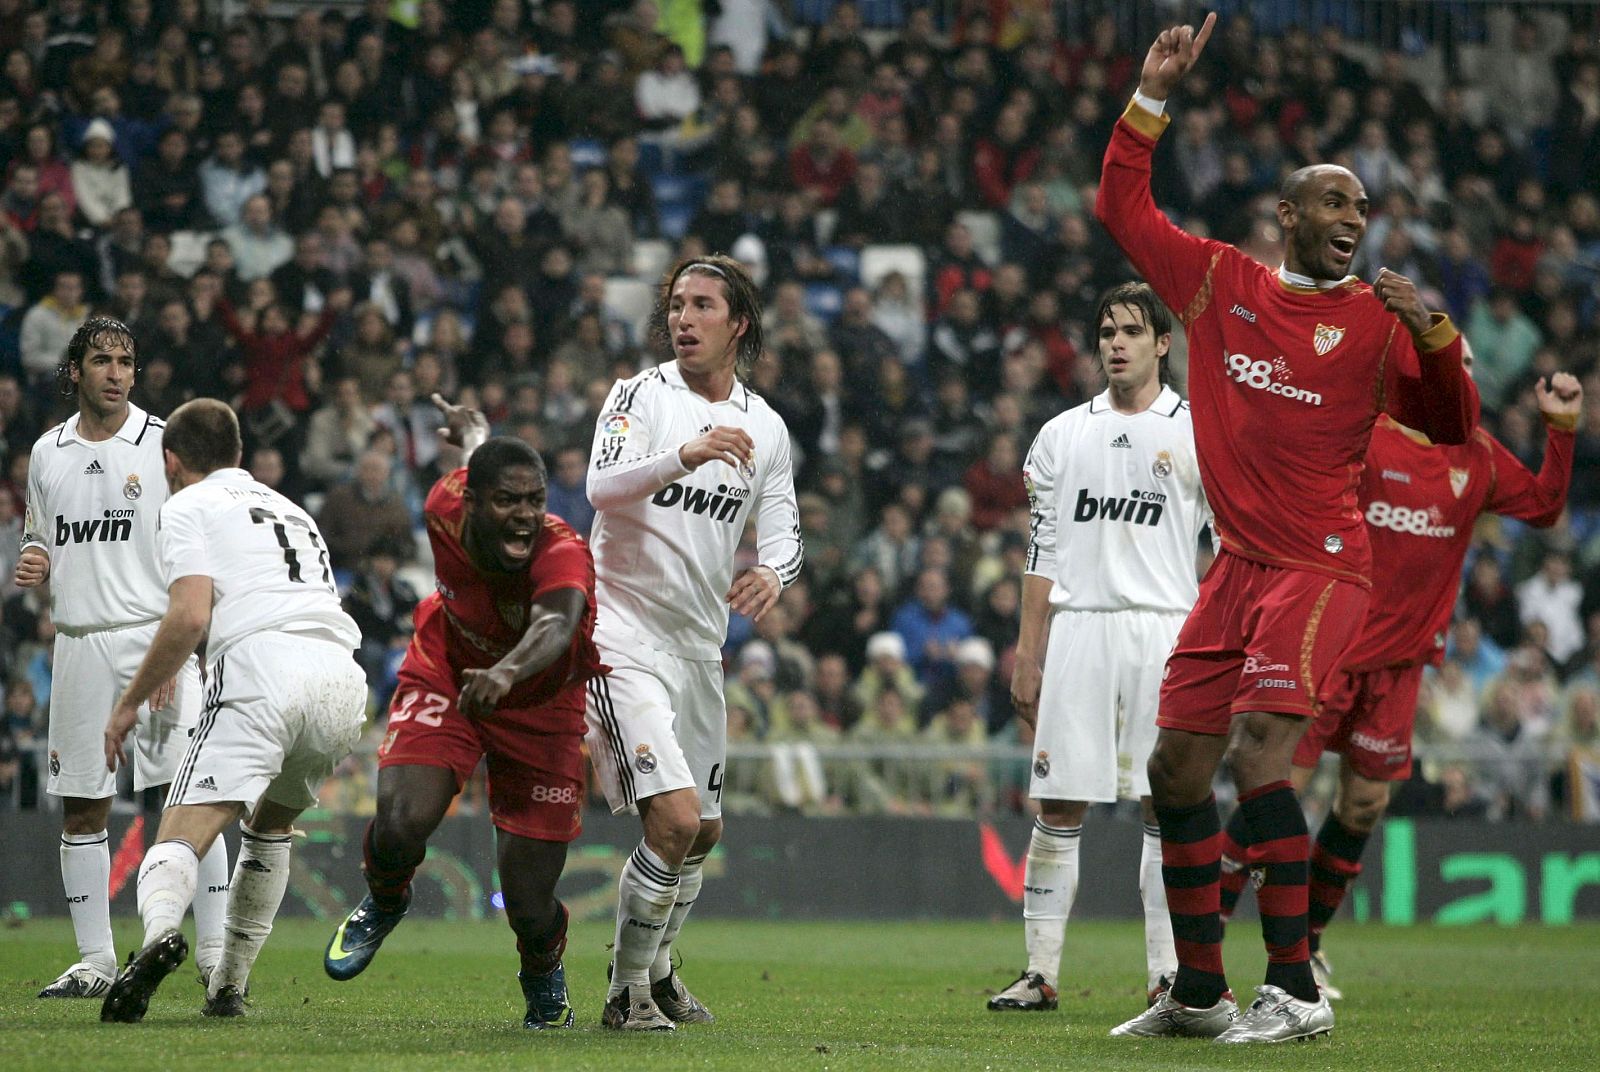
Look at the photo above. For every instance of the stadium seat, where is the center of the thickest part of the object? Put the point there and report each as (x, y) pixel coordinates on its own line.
(827, 220)
(587, 152)
(650, 258)
(985, 228)
(879, 261)
(630, 300)
(823, 301)
(845, 261)
(675, 220)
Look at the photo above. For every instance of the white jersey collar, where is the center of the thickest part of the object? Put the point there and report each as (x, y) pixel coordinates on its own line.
(739, 396)
(1166, 403)
(131, 429)
(1305, 282)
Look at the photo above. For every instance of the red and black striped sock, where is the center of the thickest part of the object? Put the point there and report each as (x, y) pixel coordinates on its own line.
(387, 880)
(1236, 861)
(1191, 855)
(1335, 863)
(1284, 847)
(541, 951)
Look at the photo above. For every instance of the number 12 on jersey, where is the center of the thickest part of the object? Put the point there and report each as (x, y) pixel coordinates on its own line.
(280, 529)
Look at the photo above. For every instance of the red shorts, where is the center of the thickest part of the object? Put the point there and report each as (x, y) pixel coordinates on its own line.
(1260, 638)
(535, 777)
(1368, 720)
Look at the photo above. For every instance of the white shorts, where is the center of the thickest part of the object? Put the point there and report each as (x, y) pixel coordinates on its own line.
(1097, 704)
(657, 723)
(281, 711)
(87, 678)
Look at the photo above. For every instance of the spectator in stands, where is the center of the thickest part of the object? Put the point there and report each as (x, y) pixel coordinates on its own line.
(49, 326)
(1504, 340)
(382, 602)
(413, 420)
(337, 434)
(1515, 767)
(258, 245)
(56, 247)
(363, 513)
(1552, 596)
(99, 180)
(1004, 159)
(931, 628)
(1520, 85)
(822, 166)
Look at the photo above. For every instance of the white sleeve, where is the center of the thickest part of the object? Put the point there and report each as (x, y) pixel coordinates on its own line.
(34, 533)
(181, 545)
(778, 541)
(1039, 475)
(622, 468)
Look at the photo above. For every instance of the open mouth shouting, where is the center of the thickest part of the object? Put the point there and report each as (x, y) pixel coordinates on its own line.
(1342, 247)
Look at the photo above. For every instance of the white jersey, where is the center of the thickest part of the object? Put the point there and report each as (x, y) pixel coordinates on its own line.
(93, 507)
(664, 538)
(268, 567)
(1117, 506)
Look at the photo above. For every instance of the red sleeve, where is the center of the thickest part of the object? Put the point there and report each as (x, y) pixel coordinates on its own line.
(1517, 493)
(1171, 260)
(324, 325)
(1425, 386)
(441, 512)
(230, 321)
(565, 562)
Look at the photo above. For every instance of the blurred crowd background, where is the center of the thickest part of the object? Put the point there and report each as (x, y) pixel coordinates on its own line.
(325, 213)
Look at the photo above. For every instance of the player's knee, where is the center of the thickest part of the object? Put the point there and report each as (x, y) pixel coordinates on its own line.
(404, 824)
(706, 838)
(1359, 811)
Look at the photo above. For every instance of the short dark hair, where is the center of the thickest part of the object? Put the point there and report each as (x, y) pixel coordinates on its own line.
(498, 454)
(97, 331)
(204, 434)
(744, 302)
(1139, 296)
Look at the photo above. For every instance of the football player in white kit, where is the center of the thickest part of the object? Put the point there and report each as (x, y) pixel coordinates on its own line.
(684, 457)
(1117, 515)
(247, 572)
(94, 493)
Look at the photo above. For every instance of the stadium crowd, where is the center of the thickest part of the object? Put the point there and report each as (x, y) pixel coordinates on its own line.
(326, 218)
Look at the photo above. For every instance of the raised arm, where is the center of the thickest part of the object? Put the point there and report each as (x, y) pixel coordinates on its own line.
(464, 428)
(1171, 260)
(1539, 500)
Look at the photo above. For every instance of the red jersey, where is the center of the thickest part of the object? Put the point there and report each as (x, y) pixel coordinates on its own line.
(1285, 382)
(1420, 503)
(487, 614)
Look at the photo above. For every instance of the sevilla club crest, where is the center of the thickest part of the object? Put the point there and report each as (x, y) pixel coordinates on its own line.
(1325, 338)
(1458, 480)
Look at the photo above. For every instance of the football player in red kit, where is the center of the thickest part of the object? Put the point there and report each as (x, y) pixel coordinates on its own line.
(496, 669)
(1288, 372)
(1420, 502)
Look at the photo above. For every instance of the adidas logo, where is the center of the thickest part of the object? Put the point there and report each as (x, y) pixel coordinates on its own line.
(94, 469)
(207, 782)
(1122, 441)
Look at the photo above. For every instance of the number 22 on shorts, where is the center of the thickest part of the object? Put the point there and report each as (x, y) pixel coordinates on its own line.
(425, 707)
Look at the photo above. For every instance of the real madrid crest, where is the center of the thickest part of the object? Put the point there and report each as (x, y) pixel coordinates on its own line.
(131, 489)
(644, 759)
(1041, 765)
(748, 469)
(1162, 467)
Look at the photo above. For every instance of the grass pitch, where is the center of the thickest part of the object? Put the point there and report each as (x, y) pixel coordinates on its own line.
(814, 996)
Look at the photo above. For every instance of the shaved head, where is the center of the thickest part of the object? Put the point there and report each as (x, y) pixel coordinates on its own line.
(1303, 181)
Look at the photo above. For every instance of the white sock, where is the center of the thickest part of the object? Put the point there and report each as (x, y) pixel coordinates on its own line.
(259, 880)
(1160, 955)
(86, 878)
(646, 893)
(689, 878)
(166, 886)
(210, 905)
(1049, 885)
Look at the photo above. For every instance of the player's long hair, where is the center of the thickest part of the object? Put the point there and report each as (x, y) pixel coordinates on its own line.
(100, 332)
(1139, 296)
(744, 302)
